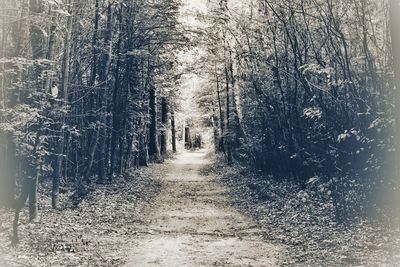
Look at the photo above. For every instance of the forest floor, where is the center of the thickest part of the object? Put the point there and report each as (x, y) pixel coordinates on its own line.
(304, 221)
(192, 211)
(97, 231)
(164, 215)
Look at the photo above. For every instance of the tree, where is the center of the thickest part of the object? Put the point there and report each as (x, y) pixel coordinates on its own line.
(64, 96)
(306, 88)
(76, 80)
(395, 37)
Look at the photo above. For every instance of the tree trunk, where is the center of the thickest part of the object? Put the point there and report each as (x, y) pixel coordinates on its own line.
(164, 119)
(221, 143)
(92, 118)
(103, 96)
(6, 179)
(23, 31)
(33, 198)
(154, 150)
(8, 169)
(395, 36)
(115, 114)
(29, 190)
(173, 131)
(92, 150)
(37, 39)
(64, 92)
(238, 132)
(50, 52)
(143, 149)
(228, 139)
(188, 138)
(19, 204)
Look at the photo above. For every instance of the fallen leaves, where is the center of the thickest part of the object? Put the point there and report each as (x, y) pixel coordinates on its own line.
(96, 232)
(305, 222)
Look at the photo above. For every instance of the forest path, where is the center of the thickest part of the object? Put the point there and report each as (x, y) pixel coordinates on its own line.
(192, 224)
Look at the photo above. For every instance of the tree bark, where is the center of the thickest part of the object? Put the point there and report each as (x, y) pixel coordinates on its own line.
(103, 96)
(64, 91)
(395, 36)
(95, 138)
(33, 198)
(8, 169)
(221, 139)
(143, 149)
(228, 139)
(164, 119)
(115, 114)
(50, 51)
(173, 131)
(154, 149)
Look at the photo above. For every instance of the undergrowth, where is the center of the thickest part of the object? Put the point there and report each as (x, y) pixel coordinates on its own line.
(304, 219)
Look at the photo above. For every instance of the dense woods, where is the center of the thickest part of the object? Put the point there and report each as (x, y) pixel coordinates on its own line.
(305, 91)
(303, 95)
(86, 91)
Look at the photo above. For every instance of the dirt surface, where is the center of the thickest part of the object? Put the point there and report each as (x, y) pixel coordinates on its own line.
(303, 220)
(192, 224)
(170, 214)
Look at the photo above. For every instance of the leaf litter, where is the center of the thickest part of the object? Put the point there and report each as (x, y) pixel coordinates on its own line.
(94, 232)
(305, 222)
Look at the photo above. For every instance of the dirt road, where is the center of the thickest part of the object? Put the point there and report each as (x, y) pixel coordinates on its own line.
(192, 224)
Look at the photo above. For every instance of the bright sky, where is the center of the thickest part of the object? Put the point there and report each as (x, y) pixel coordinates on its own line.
(191, 82)
(189, 10)
(195, 5)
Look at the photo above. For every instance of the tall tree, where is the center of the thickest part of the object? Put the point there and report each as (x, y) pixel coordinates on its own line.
(64, 98)
(395, 37)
